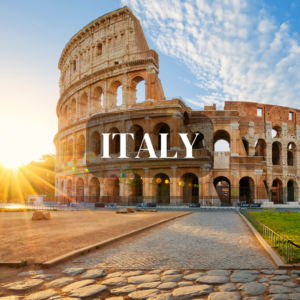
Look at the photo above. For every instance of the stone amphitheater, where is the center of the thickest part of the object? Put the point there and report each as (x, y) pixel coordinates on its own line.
(101, 67)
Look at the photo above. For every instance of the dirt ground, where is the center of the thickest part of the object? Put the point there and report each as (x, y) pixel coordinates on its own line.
(38, 241)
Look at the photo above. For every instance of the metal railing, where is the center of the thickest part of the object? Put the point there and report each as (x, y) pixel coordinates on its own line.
(283, 245)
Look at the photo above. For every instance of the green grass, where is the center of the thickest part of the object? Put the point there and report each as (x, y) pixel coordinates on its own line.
(284, 223)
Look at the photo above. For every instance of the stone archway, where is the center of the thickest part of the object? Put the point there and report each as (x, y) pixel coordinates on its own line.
(223, 188)
(190, 188)
(246, 190)
(161, 186)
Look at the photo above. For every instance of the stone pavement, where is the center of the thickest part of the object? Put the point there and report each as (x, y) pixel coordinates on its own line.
(203, 240)
(95, 283)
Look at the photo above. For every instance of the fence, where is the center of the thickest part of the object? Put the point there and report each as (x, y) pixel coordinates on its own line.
(284, 246)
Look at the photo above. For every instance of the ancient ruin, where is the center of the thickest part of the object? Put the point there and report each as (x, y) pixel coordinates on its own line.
(261, 164)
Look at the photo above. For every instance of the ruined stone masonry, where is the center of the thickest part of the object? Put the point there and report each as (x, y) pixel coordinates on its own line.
(112, 52)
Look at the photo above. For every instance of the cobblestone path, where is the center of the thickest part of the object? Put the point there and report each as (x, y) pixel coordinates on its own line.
(202, 240)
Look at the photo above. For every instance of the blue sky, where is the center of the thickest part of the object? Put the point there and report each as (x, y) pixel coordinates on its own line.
(210, 51)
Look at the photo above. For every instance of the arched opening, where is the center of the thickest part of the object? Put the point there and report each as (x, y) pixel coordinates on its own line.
(276, 132)
(161, 184)
(115, 94)
(95, 144)
(246, 146)
(80, 190)
(73, 110)
(134, 144)
(277, 195)
(80, 147)
(190, 188)
(114, 143)
(291, 151)
(223, 188)
(94, 190)
(246, 190)
(97, 99)
(261, 149)
(221, 141)
(83, 105)
(291, 191)
(137, 185)
(114, 185)
(70, 150)
(138, 90)
(199, 142)
(276, 153)
(159, 129)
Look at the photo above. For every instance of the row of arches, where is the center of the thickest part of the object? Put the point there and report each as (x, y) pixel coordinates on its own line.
(75, 109)
(114, 143)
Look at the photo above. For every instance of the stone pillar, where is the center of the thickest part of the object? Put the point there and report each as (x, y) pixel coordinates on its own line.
(74, 145)
(146, 185)
(233, 139)
(174, 188)
(174, 139)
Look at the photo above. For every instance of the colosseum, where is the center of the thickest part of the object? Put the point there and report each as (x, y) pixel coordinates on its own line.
(101, 67)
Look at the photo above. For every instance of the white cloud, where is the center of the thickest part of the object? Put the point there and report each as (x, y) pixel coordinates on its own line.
(235, 50)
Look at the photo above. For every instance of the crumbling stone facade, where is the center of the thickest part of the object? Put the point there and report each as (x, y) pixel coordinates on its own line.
(112, 51)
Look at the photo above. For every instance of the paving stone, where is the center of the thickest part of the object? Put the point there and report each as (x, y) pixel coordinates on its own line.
(297, 290)
(262, 280)
(210, 279)
(167, 286)
(191, 291)
(124, 290)
(133, 273)
(74, 271)
(115, 298)
(269, 272)
(253, 288)
(275, 282)
(23, 285)
(44, 276)
(171, 272)
(115, 274)
(156, 272)
(88, 291)
(193, 276)
(187, 272)
(93, 273)
(279, 289)
(165, 296)
(63, 298)
(42, 295)
(253, 298)
(185, 283)
(143, 279)
(279, 297)
(117, 281)
(31, 273)
(253, 272)
(149, 285)
(228, 287)
(295, 296)
(219, 272)
(242, 277)
(280, 272)
(224, 296)
(11, 298)
(144, 294)
(172, 278)
(281, 278)
(294, 275)
(77, 285)
(205, 244)
(290, 284)
(60, 282)
(295, 272)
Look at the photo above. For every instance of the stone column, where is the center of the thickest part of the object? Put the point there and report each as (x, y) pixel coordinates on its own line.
(174, 188)
(174, 139)
(233, 142)
(146, 185)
